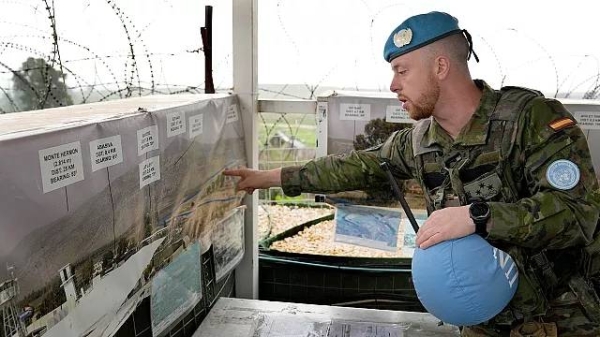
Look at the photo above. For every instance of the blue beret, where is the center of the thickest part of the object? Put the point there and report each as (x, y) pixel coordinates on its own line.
(418, 31)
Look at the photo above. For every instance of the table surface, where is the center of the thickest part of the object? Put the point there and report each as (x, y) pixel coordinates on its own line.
(255, 318)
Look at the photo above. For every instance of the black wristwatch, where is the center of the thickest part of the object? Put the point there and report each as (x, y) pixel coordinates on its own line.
(480, 213)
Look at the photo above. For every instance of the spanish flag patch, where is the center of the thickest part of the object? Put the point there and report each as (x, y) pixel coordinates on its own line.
(561, 123)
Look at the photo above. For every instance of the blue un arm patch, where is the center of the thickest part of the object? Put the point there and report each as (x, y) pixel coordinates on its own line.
(563, 174)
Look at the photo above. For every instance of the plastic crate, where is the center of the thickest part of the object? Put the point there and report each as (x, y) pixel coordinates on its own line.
(379, 283)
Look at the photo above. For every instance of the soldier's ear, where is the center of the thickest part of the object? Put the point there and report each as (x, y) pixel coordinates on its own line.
(442, 67)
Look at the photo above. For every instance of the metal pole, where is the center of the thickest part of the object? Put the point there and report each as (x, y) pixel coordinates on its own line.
(206, 32)
(400, 196)
(245, 85)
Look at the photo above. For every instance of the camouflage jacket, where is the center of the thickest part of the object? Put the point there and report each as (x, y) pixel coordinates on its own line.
(506, 166)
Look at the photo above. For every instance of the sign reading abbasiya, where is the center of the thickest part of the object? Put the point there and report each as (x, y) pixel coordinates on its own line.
(99, 203)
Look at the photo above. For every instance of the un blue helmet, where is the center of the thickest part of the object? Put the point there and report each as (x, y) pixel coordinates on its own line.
(421, 30)
(464, 281)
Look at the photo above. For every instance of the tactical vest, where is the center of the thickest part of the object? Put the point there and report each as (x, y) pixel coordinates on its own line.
(472, 173)
(483, 172)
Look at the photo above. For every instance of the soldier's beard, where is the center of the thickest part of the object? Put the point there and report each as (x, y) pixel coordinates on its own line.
(423, 106)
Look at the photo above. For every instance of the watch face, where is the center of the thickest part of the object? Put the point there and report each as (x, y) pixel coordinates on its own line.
(479, 209)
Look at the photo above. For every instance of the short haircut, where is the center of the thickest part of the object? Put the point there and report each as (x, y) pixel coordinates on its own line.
(455, 47)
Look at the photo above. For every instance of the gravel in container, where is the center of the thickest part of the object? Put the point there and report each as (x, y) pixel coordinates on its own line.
(275, 219)
(317, 239)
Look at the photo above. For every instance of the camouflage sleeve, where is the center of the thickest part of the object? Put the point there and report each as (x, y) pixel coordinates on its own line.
(357, 170)
(560, 206)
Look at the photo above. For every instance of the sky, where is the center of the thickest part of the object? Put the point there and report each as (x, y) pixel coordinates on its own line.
(544, 45)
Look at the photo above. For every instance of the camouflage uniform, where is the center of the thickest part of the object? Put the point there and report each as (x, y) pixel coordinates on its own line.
(501, 156)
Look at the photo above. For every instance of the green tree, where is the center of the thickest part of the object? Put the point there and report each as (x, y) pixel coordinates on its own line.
(53, 297)
(86, 272)
(376, 132)
(38, 85)
(107, 259)
(147, 225)
(122, 245)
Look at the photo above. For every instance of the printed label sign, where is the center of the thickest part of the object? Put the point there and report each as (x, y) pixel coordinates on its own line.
(149, 171)
(232, 114)
(106, 152)
(196, 125)
(371, 227)
(175, 124)
(61, 166)
(395, 114)
(147, 139)
(588, 120)
(355, 112)
(356, 329)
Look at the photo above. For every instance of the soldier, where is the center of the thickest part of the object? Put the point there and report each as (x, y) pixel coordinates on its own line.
(508, 164)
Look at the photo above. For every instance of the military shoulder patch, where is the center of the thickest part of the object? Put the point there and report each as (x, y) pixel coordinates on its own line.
(561, 123)
(563, 174)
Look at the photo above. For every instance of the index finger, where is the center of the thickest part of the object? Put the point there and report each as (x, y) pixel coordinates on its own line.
(232, 172)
